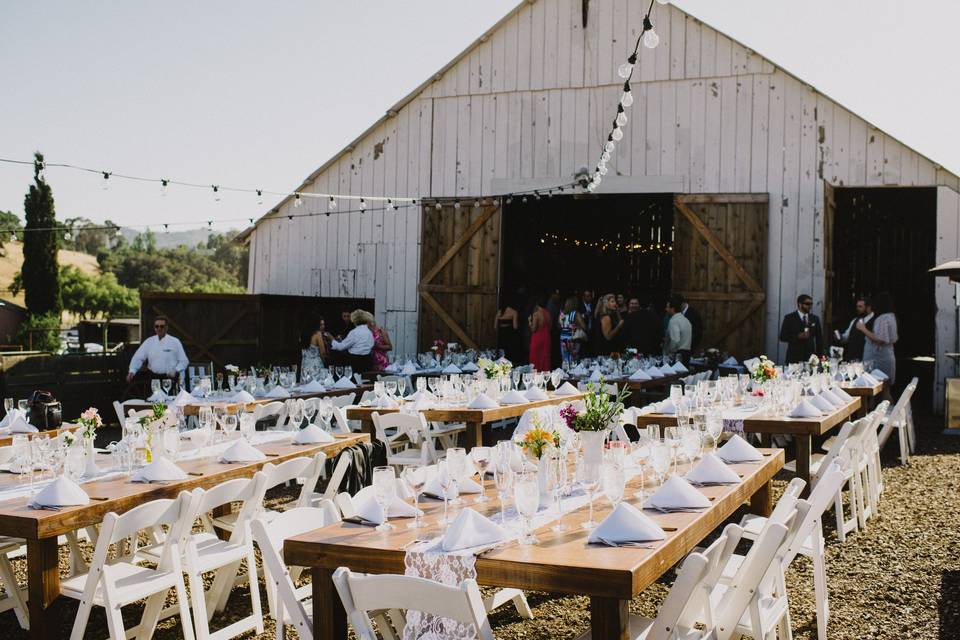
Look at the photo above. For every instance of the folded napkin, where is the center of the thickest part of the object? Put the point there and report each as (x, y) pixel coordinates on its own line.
(513, 397)
(184, 398)
(843, 395)
(666, 407)
(365, 504)
(312, 434)
(535, 394)
(385, 402)
(832, 398)
(62, 492)
(19, 425)
(640, 374)
(879, 375)
(242, 397)
(409, 369)
(465, 485)
(751, 363)
(804, 410)
(470, 368)
(391, 368)
(344, 383)
(739, 450)
(730, 362)
(626, 523)
(596, 376)
(653, 372)
(422, 395)
(470, 529)
(160, 470)
(451, 368)
(579, 370)
(865, 380)
(712, 470)
(482, 401)
(242, 451)
(314, 386)
(278, 392)
(8, 419)
(566, 389)
(676, 493)
(157, 396)
(679, 368)
(823, 404)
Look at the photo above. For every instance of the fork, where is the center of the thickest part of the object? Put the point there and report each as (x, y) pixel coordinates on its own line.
(634, 545)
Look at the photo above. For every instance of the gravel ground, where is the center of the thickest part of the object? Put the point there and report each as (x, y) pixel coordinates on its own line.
(898, 579)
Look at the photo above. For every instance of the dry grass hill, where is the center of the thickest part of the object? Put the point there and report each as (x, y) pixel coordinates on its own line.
(11, 262)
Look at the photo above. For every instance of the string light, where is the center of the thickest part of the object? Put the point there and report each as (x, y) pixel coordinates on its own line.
(216, 193)
(117, 233)
(106, 180)
(390, 206)
(163, 186)
(297, 202)
(456, 204)
(363, 204)
(67, 235)
(640, 248)
(259, 196)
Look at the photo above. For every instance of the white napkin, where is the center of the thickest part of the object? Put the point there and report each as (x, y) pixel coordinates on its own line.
(313, 386)
(626, 523)
(157, 396)
(10, 417)
(712, 470)
(183, 399)
(391, 368)
(422, 395)
(730, 362)
(804, 410)
(666, 407)
(596, 376)
(832, 398)
(451, 368)
(465, 485)
(278, 392)
(640, 374)
(677, 493)
(653, 372)
(739, 450)
(823, 404)
(242, 451)
(62, 492)
(470, 529)
(679, 368)
(470, 368)
(482, 401)
(19, 425)
(865, 380)
(242, 397)
(312, 434)
(344, 383)
(409, 369)
(386, 402)
(579, 370)
(566, 389)
(751, 363)
(535, 394)
(843, 395)
(159, 470)
(879, 375)
(513, 397)
(365, 504)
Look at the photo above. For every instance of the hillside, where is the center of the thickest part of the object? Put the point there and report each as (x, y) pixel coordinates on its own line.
(10, 264)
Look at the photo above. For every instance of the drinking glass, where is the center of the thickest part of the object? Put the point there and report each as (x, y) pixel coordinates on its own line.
(348, 372)
(338, 371)
(589, 477)
(171, 441)
(384, 491)
(8, 405)
(661, 456)
(557, 482)
(445, 480)
(391, 388)
(481, 459)
(414, 476)
(503, 480)
(515, 378)
(613, 481)
(526, 495)
(229, 424)
(401, 386)
(676, 394)
(421, 384)
(641, 454)
(74, 463)
(457, 466)
(167, 384)
(671, 438)
(527, 379)
(155, 386)
(219, 380)
(295, 414)
(23, 405)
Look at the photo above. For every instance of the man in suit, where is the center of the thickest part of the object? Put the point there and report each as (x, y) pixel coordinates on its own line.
(852, 339)
(802, 332)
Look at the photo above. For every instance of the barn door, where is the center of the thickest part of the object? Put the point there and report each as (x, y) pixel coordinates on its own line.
(719, 265)
(459, 260)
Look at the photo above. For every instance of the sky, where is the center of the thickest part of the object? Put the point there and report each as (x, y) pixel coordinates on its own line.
(258, 94)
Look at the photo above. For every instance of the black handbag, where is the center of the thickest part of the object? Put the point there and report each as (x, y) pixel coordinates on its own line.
(45, 411)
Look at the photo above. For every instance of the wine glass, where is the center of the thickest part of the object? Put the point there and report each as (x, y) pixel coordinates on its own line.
(557, 483)
(384, 491)
(555, 379)
(641, 454)
(503, 481)
(445, 480)
(338, 371)
(515, 378)
(23, 405)
(295, 415)
(154, 387)
(481, 459)
(527, 379)
(589, 476)
(8, 405)
(457, 466)
(714, 427)
(167, 384)
(671, 438)
(401, 386)
(391, 388)
(220, 381)
(348, 372)
(613, 480)
(526, 496)
(229, 424)
(660, 458)
(414, 477)
(421, 384)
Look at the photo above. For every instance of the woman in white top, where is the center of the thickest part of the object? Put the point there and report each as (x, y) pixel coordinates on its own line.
(878, 348)
(358, 343)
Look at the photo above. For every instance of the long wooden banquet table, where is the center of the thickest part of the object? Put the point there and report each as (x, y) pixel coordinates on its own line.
(867, 395)
(40, 528)
(802, 430)
(194, 409)
(475, 419)
(6, 438)
(558, 563)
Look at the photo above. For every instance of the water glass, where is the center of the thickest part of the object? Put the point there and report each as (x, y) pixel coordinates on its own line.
(526, 496)
(481, 460)
(613, 481)
(661, 455)
(588, 475)
(457, 466)
(384, 491)
(414, 476)
(503, 481)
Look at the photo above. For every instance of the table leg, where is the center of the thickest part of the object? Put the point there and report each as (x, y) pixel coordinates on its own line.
(609, 618)
(329, 617)
(766, 440)
(474, 435)
(804, 447)
(366, 426)
(761, 502)
(43, 577)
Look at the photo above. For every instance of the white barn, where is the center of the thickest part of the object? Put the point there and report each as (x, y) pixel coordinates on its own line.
(530, 102)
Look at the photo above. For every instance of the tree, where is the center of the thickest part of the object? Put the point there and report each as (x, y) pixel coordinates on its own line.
(88, 237)
(100, 295)
(41, 280)
(10, 224)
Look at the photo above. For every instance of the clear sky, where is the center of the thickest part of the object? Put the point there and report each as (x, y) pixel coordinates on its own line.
(255, 94)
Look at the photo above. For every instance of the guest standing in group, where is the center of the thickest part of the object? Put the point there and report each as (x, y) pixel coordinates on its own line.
(587, 309)
(802, 332)
(554, 306)
(162, 354)
(608, 326)
(539, 323)
(852, 339)
(507, 323)
(573, 330)
(643, 331)
(679, 336)
(345, 326)
(318, 345)
(696, 323)
(878, 348)
(358, 343)
(381, 344)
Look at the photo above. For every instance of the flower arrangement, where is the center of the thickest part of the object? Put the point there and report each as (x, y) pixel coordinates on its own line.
(493, 370)
(156, 417)
(538, 441)
(89, 422)
(569, 413)
(600, 409)
(439, 346)
(232, 369)
(764, 370)
(818, 364)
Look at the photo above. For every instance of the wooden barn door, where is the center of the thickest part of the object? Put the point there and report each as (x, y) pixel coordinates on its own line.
(720, 265)
(459, 262)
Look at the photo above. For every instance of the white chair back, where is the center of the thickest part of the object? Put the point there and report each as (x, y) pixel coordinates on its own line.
(269, 410)
(345, 400)
(310, 479)
(340, 424)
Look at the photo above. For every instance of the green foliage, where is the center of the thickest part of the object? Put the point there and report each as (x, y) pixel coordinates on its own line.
(88, 236)
(9, 223)
(41, 281)
(599, 409)
(96, 295)
(40, 333)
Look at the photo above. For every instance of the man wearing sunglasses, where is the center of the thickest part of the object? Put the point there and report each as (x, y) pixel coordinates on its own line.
(802, 332)
(162, 353)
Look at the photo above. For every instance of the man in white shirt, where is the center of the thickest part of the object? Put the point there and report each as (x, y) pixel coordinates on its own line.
(679, 331)
(162, 353)
(358, 343)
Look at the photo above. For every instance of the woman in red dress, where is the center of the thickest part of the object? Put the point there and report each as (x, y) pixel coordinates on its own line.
(540, 345)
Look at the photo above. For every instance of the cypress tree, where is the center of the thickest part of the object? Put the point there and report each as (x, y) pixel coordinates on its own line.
(41, 273)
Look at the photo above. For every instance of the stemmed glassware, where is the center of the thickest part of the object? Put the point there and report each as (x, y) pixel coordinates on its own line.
(295, 414)
(661, 456)
(481, 459)
(641, 454)
(414, 476)
(457, 467)
(503, 480)
(229, 424)
(391, 388)
(384, 491)
(589, 476)
(167, 384)
(154, 387)
(445, 480)
(613, 479)
(526, 495)
(401, 386)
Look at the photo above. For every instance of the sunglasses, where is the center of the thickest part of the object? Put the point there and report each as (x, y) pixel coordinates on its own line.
(159, 326)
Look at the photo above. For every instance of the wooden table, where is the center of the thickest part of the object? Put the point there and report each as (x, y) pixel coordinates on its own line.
(559, 563)
(475, 419)
(194, 409)
(868, 395)
(7, 439)
(802, 430)
(41, 528)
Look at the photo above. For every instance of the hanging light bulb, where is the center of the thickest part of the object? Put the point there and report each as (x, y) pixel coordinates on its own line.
(626, 100)
(363, 204)
(509, 199)
(617, 134)
(117, 232)
(67, 235)
(163, 186)
(524, 200)
(13, 236)
(609, 146)
(621, 119)
(390, 206)
(259, 196)
(664, 1)
(456, 204)
(166, 227)
(297, 203)
(625, 70)
(605, 156)
(106, 181)
(476, 204)
(438, 206)
(216, 193)
(603, 170)
(651, 39)
(332, 203)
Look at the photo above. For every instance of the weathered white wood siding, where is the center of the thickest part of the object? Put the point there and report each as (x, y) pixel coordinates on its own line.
(533, 100)
(948, 248)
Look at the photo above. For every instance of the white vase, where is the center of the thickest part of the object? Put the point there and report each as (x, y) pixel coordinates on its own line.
(90, 469)
(593, 445)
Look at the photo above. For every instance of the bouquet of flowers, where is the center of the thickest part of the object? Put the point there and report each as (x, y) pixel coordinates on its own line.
(569, 414)
(538, 441)
(818, 364)
(439, 346)
(493, 370)
(89, 422)
(600, 409)
(764, 370)
(157, 417)
(232, 369)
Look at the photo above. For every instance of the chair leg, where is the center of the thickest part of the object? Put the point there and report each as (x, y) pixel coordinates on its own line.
(151, 616)
(198, 600)
(222, 584)
(9, 580)
(904, 447)
(838, 510)
(186, 621)
(820, 593)
(254, 590)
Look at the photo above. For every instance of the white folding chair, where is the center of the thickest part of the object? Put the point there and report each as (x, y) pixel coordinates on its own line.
(363, 595)
(112, 585)
(871, 446)
(408, 442)
(270, 410)
(14, 597)
(901, 419)
(345, 400)
(291, 604)
(340, 424)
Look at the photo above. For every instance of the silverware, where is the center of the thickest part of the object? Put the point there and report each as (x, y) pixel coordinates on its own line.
(414, 543)
(43, 507)
(632, 545)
